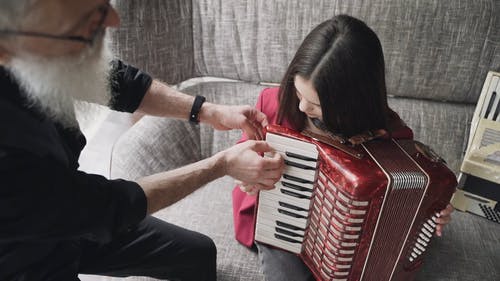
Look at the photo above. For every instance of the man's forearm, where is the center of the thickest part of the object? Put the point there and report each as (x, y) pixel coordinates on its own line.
(163, 100)
(164, 189)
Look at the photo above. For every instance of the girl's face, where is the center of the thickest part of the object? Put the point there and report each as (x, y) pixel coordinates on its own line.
(308, 97)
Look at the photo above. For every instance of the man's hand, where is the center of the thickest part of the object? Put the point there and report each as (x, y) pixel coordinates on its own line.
(444, 217)
(226, 117)
(244, 163)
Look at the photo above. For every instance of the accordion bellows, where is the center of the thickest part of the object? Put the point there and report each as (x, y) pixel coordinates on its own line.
(364, 212)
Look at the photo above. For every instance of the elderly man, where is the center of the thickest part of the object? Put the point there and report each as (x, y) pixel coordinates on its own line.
(56, 221)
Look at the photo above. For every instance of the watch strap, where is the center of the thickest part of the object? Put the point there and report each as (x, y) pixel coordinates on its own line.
(195, 109)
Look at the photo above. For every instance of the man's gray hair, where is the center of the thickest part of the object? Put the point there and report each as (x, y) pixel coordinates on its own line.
(12, 13)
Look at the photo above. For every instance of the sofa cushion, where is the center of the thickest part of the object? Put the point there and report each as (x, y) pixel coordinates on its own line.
(157, 36)
(441, 125)
(433, 49)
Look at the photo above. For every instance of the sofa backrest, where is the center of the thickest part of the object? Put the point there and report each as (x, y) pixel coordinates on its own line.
(439, 50)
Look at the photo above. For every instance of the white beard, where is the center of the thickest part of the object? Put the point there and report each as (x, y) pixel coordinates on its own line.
(54, 84)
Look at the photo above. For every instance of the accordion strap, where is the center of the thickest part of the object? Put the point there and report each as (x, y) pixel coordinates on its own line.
(335, 143)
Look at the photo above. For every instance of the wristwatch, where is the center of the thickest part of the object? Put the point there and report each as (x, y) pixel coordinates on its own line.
(194, 116)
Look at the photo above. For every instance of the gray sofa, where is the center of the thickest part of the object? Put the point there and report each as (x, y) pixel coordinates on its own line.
(437, 55)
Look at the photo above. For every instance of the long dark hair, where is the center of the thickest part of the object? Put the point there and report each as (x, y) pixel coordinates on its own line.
(344, 60)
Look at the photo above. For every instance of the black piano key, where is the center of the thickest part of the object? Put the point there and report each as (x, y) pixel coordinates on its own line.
(289, 233)
(291, 214)
(298, 156)
(298, 165)
(290, 206)
(294, 194)
(295, 187)
(281, 237)
(296, 179)
(289, 226)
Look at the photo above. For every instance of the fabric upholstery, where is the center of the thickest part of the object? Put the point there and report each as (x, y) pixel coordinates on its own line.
(148, 147)
(433, 49)
(443, 126)
(156, 35)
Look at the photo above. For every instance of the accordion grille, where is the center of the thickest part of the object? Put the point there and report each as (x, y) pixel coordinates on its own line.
(407, 186)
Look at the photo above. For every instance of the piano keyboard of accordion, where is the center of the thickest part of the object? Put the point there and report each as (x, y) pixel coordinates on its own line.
(367, 215)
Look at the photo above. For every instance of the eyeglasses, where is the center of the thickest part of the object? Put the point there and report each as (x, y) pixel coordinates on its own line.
(103, 10)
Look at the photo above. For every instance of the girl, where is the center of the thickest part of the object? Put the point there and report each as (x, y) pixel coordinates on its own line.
(335, 83)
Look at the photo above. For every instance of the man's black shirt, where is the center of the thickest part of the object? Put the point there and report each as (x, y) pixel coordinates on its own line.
(47, 207)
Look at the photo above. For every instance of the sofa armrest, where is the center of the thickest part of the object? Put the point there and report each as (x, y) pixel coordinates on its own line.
(155, 145)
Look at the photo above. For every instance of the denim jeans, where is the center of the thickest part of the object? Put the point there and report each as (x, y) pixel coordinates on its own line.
(280, 265)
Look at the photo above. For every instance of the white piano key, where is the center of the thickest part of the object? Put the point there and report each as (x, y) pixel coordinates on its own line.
(273, 223)
(271, 229)
(269, 238)
(293, 145)
(297, 180)
(271, 199)
(289, 156)
(295, 197)
(298, 186)
(275, 204)
(300, 173)
(289, 217)
(290, 188)
(276, 195)
(272, 214)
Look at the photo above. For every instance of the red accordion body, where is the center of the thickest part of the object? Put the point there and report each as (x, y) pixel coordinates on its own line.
(354, 213)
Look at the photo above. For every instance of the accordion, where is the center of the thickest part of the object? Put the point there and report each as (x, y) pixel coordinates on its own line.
(364, 212)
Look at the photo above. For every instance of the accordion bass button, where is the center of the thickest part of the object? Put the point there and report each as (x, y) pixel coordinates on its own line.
(426, 232)
(428, 227)
(430, 222)
(416, 251)
(434, 218)
(420, 247)
(426, 239)
(421, 242)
